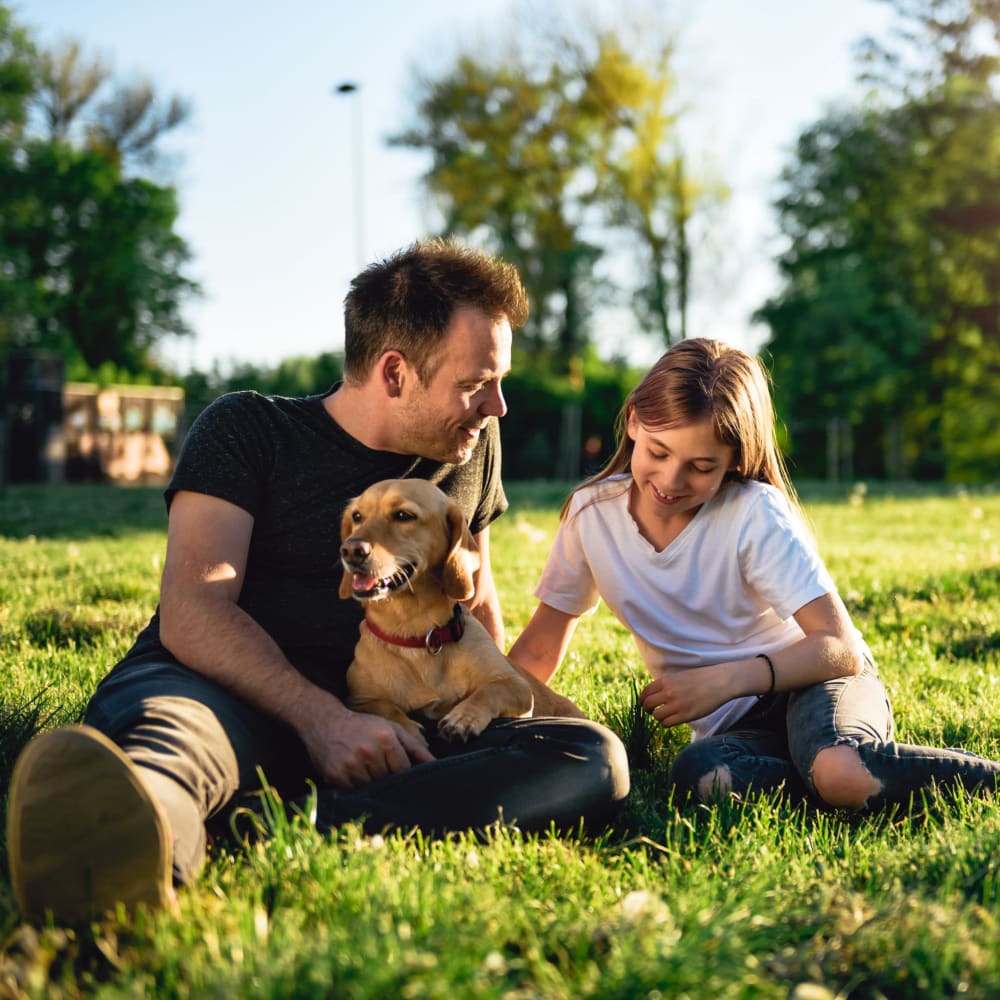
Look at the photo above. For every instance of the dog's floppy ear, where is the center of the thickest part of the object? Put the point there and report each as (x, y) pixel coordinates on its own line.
(462, 561)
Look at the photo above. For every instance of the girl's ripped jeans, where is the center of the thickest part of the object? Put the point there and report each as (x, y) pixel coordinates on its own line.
(775, 744)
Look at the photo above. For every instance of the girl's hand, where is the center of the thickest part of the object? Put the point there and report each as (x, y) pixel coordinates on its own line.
(685, 695)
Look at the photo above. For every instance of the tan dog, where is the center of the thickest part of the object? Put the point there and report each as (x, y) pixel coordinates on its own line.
(409, 557)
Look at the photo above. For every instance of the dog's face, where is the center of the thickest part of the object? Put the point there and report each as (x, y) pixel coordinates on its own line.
(400, 532)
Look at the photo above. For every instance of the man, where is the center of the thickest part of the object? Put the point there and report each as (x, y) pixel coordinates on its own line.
(242, 667)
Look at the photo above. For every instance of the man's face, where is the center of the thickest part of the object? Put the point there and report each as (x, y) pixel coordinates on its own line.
(443, 419)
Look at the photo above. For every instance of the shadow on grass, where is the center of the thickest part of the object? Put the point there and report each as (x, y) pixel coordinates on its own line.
(20, 721)
(18, 724)
(80, 510)
(651, 750)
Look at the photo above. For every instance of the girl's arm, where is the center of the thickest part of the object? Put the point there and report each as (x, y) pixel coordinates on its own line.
(830, 648)
(542, 645)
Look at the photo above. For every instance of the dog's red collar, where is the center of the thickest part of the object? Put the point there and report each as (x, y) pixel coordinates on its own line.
(435, 638)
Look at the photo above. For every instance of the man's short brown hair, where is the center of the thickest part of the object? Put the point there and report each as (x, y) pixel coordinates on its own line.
(406, 302)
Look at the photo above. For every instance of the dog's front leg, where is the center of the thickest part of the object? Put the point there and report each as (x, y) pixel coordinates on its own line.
(503, 696)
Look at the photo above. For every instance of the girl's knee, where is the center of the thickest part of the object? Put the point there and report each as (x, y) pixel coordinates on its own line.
(704, 778)
(841, 780)
(716, 785)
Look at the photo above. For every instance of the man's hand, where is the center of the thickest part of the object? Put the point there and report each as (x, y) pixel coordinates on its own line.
(351, 749)
(685, 695)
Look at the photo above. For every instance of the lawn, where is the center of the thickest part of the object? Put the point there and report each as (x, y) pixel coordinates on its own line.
(758, 899)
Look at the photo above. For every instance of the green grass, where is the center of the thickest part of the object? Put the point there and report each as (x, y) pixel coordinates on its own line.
(758, 899)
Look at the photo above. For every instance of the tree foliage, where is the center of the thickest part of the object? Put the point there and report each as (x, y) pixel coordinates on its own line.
(18, 78)
(78, 97)
(541, 151)
(90, 264)
(889, 312)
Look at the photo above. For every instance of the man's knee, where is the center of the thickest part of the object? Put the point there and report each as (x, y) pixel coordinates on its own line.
(533, 772)
(597, 764)
(616, 768)
(170, 719)
(841, 780)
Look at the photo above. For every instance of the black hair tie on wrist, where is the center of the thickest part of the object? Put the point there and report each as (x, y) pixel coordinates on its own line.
(767, 660)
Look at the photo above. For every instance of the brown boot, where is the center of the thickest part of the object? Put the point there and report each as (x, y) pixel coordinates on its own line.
(83, 832)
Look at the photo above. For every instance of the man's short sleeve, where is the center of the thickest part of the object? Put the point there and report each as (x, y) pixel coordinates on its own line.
(494, 499)
(226, 453)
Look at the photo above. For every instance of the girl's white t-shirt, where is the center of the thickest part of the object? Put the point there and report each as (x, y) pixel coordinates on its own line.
(725, 588)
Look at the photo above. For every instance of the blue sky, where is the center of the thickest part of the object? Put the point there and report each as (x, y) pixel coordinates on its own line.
(264, 168)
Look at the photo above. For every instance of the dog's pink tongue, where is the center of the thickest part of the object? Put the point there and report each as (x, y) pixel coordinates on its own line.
(362, 583)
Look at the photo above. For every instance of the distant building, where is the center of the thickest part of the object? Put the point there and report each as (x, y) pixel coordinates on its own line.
(56, 431)
(124, 433)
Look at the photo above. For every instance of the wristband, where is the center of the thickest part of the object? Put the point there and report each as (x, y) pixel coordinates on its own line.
(767, 660)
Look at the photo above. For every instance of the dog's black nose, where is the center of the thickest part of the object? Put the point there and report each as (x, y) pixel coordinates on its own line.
(355, 550)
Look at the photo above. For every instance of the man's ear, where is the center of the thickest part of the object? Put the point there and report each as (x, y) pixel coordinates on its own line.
(393, 370)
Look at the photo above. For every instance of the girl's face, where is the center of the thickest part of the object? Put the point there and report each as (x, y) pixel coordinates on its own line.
(677, 470)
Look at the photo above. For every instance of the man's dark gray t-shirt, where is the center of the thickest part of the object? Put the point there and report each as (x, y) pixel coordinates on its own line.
(286, 462)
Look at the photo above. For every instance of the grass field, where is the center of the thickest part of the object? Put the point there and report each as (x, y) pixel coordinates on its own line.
(759, 899)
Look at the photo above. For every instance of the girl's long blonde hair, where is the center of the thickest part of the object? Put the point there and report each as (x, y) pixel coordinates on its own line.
(701, 379)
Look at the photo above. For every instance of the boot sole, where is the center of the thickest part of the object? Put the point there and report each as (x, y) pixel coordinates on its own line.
(83, 832)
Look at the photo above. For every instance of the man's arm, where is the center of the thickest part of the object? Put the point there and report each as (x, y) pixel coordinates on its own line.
(485, 602)
(204, 627)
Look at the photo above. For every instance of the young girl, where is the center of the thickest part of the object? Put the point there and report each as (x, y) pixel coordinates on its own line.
(693, 537)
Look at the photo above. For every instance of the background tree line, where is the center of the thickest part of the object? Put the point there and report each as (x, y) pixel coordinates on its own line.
(562, 151)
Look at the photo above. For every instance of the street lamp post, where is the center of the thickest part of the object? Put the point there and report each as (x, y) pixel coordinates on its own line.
(350, 89)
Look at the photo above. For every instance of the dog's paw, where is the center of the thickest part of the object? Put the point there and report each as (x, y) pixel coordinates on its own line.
(462, 722)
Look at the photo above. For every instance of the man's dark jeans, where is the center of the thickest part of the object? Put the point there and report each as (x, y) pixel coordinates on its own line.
(199, 748)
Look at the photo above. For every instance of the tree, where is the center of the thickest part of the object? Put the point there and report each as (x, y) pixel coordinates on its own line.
(540, 154)
(124, 126)
(889, 314)
(91, 265)
(18, 70)
(543, 151)
(97, 253)
(845, 338)
(296, 376)
(647, 185)
(18, 81)
(507, 151)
